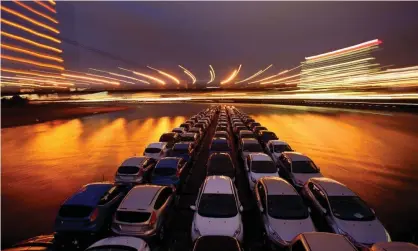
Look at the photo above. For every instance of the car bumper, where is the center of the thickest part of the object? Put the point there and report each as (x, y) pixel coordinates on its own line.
(146, 234)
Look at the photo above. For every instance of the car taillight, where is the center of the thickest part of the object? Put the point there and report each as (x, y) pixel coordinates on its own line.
(178, 173)
(94, 215)
(141, 171)
(153, 218)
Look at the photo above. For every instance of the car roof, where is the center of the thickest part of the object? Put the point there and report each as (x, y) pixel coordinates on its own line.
(139, 197)
(265, 131)
(157, 145)
(209, 243)
(250, 141)
(189, 134)
(333, 187)
(169, 133)
(134, 161)
(220, 155)
(219, 140)
(394, 246)
(221, 132)
(296, 156)
(130, 241)
(195, 128)
(89, 195)
(178, 128)
(260, 157)
(320, 241)
(276, 142)
(181, 145)
(218, 184)
(168, 162)
(278, 186)
(246, 132)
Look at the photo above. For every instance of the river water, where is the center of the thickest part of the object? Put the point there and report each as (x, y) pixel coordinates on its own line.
(373, 153)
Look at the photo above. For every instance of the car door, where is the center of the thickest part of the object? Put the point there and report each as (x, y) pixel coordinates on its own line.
(162, 204)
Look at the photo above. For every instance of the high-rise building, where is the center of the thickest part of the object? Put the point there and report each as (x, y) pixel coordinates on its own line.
(31, 55)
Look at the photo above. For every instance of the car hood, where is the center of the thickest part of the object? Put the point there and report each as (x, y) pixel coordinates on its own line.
(164, 180)
(153, 155)
(288, 229)
(365, 232)
(217, 226)
(258, 176)
(306, 176)
(277, 155)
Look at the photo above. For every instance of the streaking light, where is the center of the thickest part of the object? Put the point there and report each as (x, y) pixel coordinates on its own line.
(39, 80)
(90, 78)
(123, 76)
(39, 55)
(51, 2)
(31, 73)
(145, 76)
(276, 75)
(166, 74)
(254, 75)
(188, 73)
(29, 30)
(32, 62)
(33, 21)
(232, 76)
(212, 74)
(35, 11)
(45, 6)
(25, 40)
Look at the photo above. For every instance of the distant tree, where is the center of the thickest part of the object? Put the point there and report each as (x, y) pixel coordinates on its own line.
(16, 100)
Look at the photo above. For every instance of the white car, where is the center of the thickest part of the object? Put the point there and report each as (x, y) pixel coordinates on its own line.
(297, 168)
(320, 241)
(344, 212)
(259, 165)
(132, 170)
(394, 246)
(247, 146)
(179, 130)
(156, 150)
(120, 243)
(246, 134)
(217, 209)
(275, 148)
(282, 211)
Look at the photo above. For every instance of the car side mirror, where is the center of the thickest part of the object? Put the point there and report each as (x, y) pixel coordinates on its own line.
(248, 169)
(241, 208)
(260, 207)
(193, 207)
(372, 210)
(324, 211)
(309, 210)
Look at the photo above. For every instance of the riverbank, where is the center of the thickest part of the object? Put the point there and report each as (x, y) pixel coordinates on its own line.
(38, 113)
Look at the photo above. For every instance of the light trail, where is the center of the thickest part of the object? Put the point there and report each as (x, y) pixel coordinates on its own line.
(232, 76)
(347, 49)
(254, 75)
(276, 75)
(35, 11)
(33, 21)
(28, 41)
(121, 75)
(31, 85)
(46, 6)
(32, 53)
(212, 74)
(18, 26)
(31, 62)
(39, 80)
(52, 2)
(188, 73)
(31, 73)
(101, 81)
(276, 81)
(115, 79)
(145, 76)
(166, 74)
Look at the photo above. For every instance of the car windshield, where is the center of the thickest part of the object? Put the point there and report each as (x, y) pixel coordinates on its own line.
(219, 146)
(217, 206)
(304, 167)
(128, 169)
(269, 135)
(221, 128)
(247, 136)
(133, 217)
(350, 208)
(166, 138)
(152, 150)
(112, 248)
(263, 167)
(286, 207)
(164, 171)
(282, 148)
(221, 135)
(181, 150)
(259, 128)
(253, 148)
(75, 211)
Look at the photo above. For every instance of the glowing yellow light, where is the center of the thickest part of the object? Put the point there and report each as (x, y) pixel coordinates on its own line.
(22, 39)
(29, 19)
(22, 60)
(30, 30)
(35, 11)
(51, 2)
(145, 76)
(212, 74)
(31, 73)
(279, 80)
(39, 55)
(188, 73)
(90, 78)
(166, 74)
(276, 75)
(120, 75)
(254, 75)
(120, 80)
(45, 6)
(31, 85)
(213, 71)
(40, 80)
(232, 76)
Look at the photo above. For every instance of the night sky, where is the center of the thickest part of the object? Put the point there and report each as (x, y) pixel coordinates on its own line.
(225, 34)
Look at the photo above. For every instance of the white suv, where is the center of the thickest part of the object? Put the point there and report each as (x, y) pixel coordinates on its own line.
(156, 150)
(259, 165)
(217, 209)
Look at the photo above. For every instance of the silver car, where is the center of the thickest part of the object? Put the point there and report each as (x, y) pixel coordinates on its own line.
(143, 212)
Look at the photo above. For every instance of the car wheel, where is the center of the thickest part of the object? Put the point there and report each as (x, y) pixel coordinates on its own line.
(161, 233)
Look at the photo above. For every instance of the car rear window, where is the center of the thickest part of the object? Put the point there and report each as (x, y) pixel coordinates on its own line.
(152, 150)
(217, 206)
(282, 148)
(128, 170)
(263, 167)
(181, 150)
(164, 171)
(187, 138)
(219, 146)
(247, 136)
(269, 135)
(304, 167)
(133, 217)
(286, 207)
(253, 148)
(75, 211)
(166, 138)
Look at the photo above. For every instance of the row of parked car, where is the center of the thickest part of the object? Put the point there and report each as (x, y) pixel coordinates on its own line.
(287, 185)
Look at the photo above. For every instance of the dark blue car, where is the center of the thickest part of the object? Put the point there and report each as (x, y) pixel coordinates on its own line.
(88, 211)
(220, 145)
(168, 171)
(183, 150)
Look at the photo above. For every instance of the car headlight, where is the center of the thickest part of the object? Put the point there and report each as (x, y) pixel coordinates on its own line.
(238, 231)
(388, 239)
